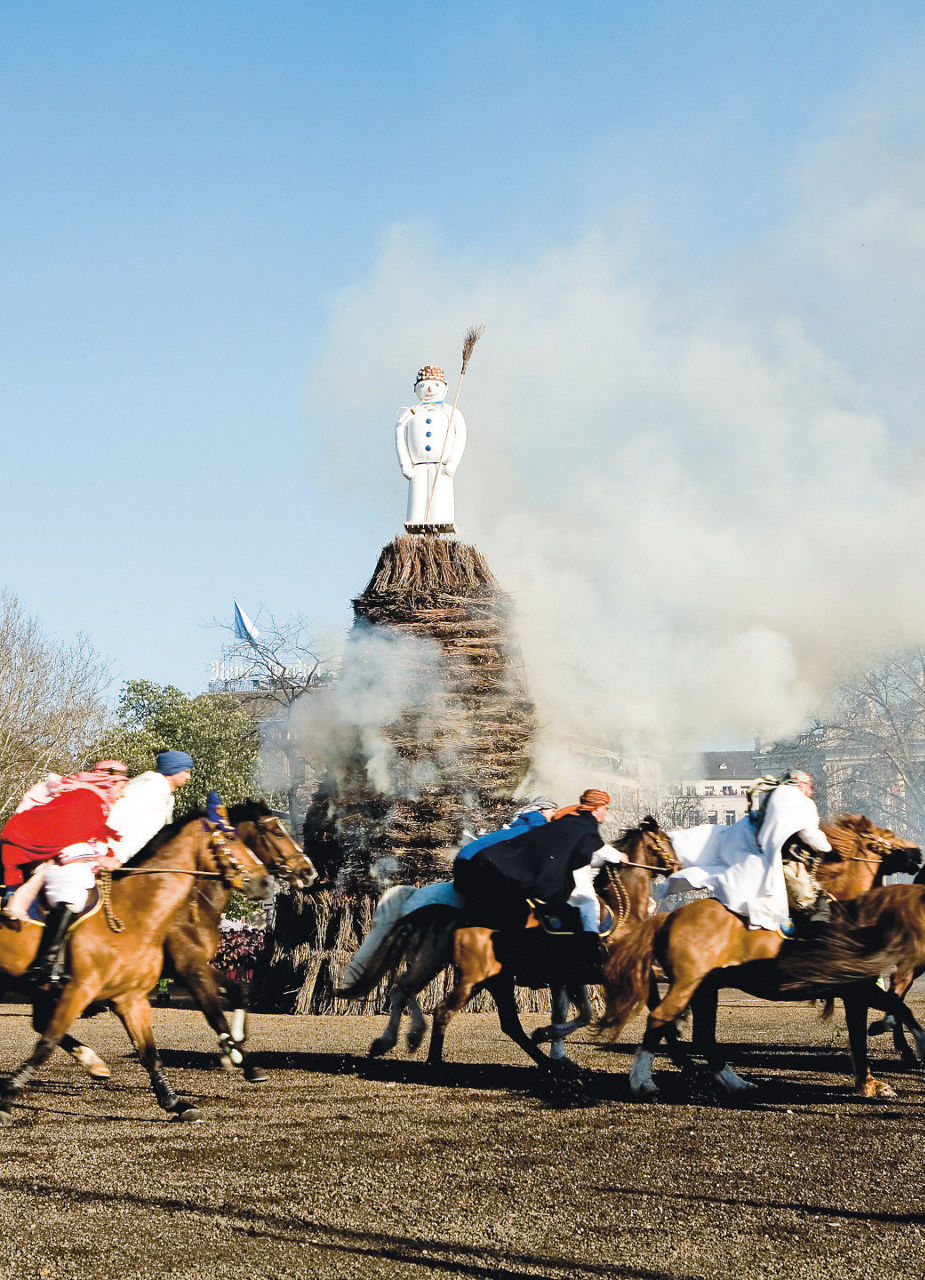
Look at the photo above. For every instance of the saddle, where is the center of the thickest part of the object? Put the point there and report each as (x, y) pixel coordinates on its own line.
(565, 922)
(13, 916)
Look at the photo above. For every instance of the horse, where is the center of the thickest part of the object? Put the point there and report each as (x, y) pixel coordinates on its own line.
(193, 939)
(116, 954)
(900, 984)
(703, 946)
(497, 962)
(422, 936)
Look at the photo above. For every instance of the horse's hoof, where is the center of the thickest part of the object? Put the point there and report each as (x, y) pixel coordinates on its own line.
(414, 1040)
(254, 1074)
(881, 1026)
(6, 1118)
(876, 1089)
(226, 1064)
(645, 1093)
(379, 1048)
(187, 1115)
(540, 1035)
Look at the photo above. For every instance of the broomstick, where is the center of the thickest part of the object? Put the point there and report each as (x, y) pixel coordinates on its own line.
(473, 334)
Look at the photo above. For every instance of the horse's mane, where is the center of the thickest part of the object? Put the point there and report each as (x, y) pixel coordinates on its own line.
(166, 833)
(844, 833)
(630, 835)
(247, 811)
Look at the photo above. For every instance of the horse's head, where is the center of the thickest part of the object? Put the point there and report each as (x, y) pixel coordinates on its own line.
(264, 834)
(854, 837)
(648, 844)
(226, 853)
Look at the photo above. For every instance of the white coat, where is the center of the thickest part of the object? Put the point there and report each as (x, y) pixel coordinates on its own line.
(741, 864)
(141, 811)
(429, 440)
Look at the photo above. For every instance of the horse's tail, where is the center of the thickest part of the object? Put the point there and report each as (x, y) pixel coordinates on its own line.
(628, 972)
(382, 948)
(817, 969)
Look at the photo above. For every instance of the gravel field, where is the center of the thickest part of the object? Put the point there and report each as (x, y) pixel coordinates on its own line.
(341, 1166)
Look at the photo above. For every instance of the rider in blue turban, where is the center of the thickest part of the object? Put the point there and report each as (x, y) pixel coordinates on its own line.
(171, 762)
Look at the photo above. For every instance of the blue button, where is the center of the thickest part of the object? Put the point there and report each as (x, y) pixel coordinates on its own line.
(428, 433)
(427, 447)
(428, 421)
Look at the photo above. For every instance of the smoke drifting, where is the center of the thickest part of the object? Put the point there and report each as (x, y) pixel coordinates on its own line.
(703, 513)
(387, 676)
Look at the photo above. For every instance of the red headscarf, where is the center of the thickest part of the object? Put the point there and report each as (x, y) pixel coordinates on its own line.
(76, 813)
(590, 800)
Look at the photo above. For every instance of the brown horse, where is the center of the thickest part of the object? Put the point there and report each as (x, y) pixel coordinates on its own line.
(702, 947)
(497, 962)
(193, 939)
(122, 964)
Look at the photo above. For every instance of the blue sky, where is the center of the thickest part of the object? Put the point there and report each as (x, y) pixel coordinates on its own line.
(229, 231)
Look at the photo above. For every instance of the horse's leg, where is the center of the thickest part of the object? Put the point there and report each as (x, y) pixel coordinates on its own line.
(92, 1063)
(559, 1029)
(205, 984)
(86, 1057)
(134, 1012)
(475, 963)
(70, 1004)
(502, 990)
(676, 1000)
(856, 1006)
(559, 999)
(418, 1026)
(892, 1002)
(703, 1007)
(398, 998)
(236, 1006)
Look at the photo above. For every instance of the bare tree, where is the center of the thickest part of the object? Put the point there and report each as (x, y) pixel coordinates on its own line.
(51, 702)
(875, 745)
(271, 670)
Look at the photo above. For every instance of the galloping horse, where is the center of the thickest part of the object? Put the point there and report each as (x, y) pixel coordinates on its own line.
(423, 938)
(193, 939)
(117, 954)
(496, 962)
(702, 947)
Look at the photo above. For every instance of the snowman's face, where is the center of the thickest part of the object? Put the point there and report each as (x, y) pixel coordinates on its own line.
(430, 391)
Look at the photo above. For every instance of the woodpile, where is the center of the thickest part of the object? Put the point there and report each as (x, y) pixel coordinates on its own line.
(470, 753)
(475, 749)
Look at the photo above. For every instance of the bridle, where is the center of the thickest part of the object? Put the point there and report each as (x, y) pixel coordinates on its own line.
(269, 827)
(232, 868)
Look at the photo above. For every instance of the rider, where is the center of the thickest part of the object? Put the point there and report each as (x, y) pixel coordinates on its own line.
(787, 821)
(63, 824)
(140, 809)
(535, 814)
(741, 865)
(540, 864)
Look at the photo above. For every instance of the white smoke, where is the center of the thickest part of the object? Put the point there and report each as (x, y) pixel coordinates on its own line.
(706, 504)
(386, 675)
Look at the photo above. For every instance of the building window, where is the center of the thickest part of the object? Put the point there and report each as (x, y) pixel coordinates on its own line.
(712, 819)
(730, 817)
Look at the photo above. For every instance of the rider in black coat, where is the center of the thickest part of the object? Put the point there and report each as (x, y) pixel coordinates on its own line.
(497, 881)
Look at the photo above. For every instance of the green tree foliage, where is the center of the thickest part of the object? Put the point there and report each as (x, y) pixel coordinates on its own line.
(213, 727)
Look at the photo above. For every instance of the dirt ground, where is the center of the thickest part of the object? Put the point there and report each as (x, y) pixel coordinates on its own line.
(342, 1166)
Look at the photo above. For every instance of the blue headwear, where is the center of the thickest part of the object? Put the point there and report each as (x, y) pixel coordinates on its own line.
(171, 762)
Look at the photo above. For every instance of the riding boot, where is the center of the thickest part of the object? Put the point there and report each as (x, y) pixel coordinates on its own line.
(44, 967)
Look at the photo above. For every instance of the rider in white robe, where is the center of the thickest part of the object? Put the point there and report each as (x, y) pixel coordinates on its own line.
(741, 864)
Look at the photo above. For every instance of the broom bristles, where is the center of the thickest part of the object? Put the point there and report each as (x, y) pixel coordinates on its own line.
(473, 334)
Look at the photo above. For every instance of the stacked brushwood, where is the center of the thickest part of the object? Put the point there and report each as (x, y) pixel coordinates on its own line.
(468, 755)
